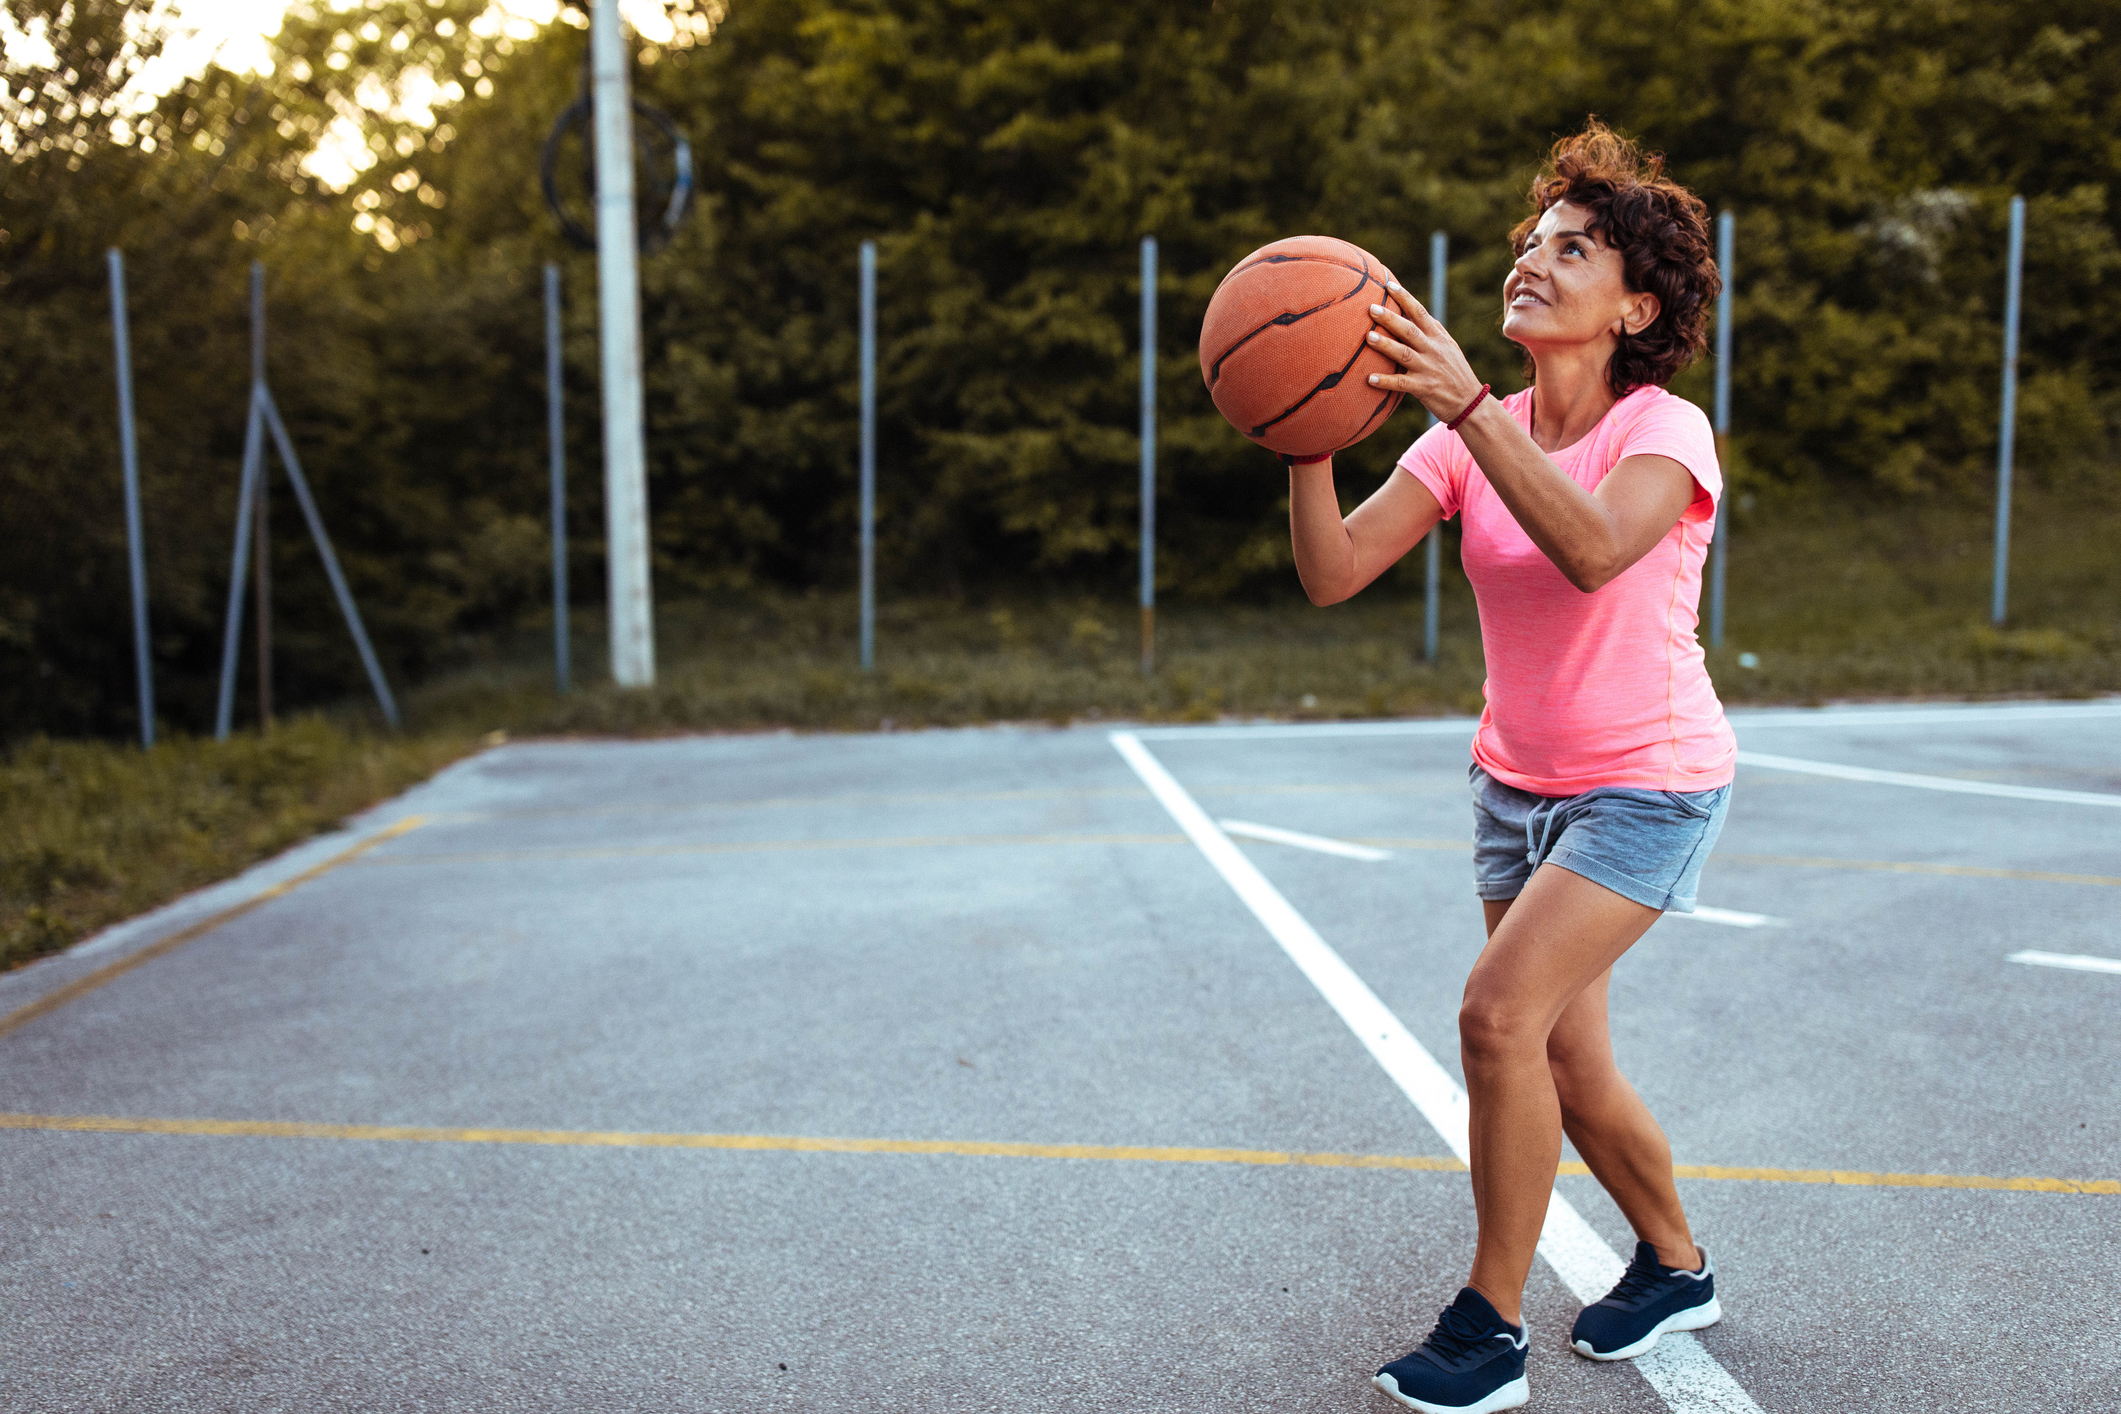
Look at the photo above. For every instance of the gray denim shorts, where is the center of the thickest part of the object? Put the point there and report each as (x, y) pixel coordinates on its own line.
(1646, 845)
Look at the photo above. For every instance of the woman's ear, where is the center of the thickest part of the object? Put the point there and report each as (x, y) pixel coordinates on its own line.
(1640, 314)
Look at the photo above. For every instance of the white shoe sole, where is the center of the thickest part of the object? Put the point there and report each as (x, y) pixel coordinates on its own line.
(1513, 1395)
(1694, 1318)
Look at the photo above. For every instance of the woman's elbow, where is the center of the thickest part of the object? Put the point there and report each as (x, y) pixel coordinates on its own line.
(1322, 598)
(1592, 574)
(1320, 594)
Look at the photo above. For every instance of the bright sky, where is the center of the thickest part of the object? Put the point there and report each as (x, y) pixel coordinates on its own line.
(235, 31)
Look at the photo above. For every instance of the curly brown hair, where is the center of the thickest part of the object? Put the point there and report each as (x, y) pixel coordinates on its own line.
(1662, 233)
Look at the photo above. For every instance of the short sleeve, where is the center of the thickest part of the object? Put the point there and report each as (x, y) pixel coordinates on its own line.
(1672, 427)
(1432, 462)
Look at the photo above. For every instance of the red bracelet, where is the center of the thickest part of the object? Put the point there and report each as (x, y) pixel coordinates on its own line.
(1290, 459)
(1452, 425)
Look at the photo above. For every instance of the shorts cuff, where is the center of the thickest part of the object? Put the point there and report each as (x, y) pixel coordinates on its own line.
(1606, 876)
(1501, 890)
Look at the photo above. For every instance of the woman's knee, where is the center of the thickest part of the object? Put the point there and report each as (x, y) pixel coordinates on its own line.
(1491, 1027)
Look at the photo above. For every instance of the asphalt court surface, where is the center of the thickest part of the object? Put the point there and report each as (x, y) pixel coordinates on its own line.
(1000, 937)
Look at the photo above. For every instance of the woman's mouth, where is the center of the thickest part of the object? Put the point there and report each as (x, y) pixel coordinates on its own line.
(1524, 298)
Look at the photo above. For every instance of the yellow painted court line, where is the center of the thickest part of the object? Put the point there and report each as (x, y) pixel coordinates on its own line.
(1959, 871)
(277, 1129)
(621, 1139)
(1848, 1178)
(502, 856)
(84, 985)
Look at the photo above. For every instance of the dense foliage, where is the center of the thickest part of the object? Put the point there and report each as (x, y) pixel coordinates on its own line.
(1007, 155)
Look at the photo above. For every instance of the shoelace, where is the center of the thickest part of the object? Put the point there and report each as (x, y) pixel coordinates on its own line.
(1456, 1333)
(1640, 1279)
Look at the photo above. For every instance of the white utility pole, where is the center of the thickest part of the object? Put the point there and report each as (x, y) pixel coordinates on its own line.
(619, 331)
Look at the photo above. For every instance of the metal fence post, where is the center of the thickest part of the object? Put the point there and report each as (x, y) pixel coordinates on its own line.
(1718, 547)
(1148, 488)
(1432, 570)
(129, 456)
(556, 440)
(246, 502)
(868, 508)
(2009, 429)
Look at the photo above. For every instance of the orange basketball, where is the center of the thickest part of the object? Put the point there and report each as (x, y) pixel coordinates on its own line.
(1282, 347)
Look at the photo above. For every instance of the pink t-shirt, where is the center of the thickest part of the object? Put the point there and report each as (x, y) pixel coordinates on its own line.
(1603, 689)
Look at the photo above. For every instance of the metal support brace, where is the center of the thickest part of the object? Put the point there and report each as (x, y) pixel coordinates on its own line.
(331, 561)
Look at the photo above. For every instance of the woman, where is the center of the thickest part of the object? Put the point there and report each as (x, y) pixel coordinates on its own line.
(1602, 766)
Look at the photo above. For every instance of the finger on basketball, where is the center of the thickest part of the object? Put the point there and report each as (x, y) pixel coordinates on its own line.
(1417, 313)
(1392, 349)
(1395, 323)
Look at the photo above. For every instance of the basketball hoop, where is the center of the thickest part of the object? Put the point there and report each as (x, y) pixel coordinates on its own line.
(664, 188)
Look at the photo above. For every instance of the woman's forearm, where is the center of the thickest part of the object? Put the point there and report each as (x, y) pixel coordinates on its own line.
(1325, 552)
(1335, 557)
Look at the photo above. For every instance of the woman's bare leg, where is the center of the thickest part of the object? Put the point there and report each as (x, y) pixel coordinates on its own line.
(1611, 1127)
(1555, 939)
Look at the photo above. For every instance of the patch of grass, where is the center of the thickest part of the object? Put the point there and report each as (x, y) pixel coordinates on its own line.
(1894, 603)
(792, 662)
(92, 832)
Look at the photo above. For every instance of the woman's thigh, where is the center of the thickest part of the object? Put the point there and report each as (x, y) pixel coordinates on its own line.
(1554, 940)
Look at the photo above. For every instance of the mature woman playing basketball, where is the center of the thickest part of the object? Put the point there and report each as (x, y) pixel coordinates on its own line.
(1602, 766)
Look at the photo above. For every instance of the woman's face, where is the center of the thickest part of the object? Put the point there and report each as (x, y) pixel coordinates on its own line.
(1569, 287)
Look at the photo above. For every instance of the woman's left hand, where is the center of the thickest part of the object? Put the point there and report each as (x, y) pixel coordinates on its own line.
(1437, 374)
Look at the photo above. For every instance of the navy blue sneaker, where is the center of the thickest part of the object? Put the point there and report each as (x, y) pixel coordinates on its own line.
(1650, 1300)
(1472, 1363)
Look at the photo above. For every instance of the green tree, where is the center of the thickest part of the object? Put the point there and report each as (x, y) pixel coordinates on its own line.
(1006, 156)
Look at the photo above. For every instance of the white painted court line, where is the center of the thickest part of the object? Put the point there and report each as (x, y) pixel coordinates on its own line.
(2076, 962)
(1318, 843)
(1925, 716)
(1952, 784)
(1741, 720)
(1733, 917)
(1326, 844)
(1272, 731)
(1679, 1368)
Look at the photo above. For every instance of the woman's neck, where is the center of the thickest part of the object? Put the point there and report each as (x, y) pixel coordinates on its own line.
(1570, 394)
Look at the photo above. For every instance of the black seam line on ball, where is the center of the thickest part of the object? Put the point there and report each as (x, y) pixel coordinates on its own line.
(1215, 369)
(1289, 260)
(1384, 405)
(1330, 381)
